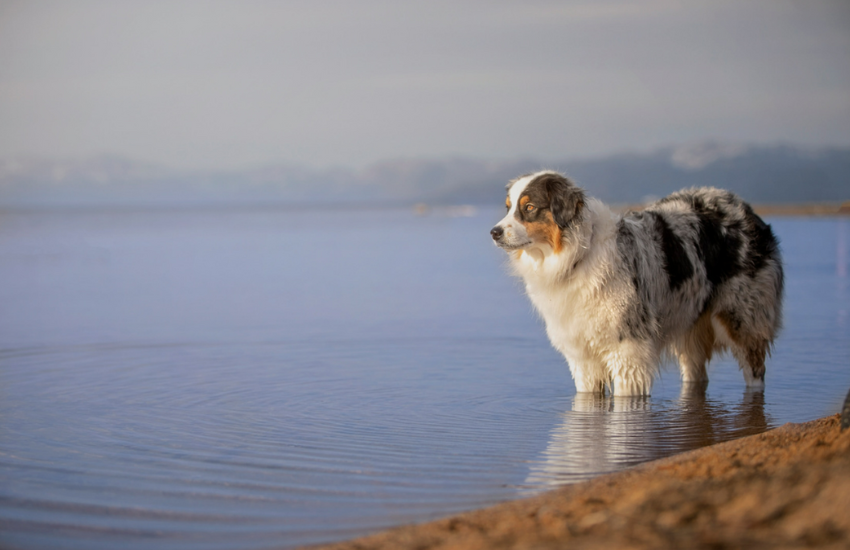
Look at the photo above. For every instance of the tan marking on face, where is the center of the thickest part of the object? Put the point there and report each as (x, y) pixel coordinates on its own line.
(508, 201)
(546, 231)
(524, 200)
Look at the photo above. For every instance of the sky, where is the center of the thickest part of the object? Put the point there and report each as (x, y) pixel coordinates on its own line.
(229, 85)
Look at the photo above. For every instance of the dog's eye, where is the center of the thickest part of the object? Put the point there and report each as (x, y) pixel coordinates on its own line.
(529, 208)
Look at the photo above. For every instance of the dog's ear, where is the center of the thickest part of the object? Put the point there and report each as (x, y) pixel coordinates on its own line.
(566, 200)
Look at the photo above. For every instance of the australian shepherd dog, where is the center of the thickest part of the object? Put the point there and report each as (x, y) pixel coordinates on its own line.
(692, 274)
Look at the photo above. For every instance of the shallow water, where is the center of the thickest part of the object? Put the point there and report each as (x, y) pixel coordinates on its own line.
(269, 378)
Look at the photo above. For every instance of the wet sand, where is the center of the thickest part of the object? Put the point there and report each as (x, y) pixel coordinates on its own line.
(785, 488)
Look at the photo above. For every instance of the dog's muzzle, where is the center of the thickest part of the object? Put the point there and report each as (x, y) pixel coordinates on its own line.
(509, 238)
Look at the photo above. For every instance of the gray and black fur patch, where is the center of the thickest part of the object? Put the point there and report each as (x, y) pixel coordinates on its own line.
(676, 261)
(638, 321)
(706, 228)
(732, 239)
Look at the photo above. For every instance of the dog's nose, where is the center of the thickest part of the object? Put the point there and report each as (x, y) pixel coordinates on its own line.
(497, 233)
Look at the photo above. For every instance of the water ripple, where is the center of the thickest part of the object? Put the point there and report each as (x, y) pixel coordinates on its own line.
(407, 386)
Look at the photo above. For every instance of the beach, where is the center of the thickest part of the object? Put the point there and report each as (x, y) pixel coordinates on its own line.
(785, 488)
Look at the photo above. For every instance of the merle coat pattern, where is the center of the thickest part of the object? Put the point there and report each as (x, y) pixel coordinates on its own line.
(692, 274)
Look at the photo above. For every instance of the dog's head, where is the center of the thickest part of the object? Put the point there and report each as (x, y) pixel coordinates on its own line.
(541, 207)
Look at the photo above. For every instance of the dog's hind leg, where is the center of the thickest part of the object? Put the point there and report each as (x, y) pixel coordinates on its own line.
(751, 358)
(694, 350)
(749, 349)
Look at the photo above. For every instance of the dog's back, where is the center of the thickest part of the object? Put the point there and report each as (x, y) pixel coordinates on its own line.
(722, 277)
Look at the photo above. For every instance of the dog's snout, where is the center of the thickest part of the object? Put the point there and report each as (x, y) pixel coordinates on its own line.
(497, 233)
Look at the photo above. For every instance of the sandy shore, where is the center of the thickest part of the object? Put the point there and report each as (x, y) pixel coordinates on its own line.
(786, 488)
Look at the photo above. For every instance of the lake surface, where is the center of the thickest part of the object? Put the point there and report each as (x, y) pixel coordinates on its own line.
(267, 378)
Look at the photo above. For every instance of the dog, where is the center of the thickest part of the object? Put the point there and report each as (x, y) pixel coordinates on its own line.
(692, 274)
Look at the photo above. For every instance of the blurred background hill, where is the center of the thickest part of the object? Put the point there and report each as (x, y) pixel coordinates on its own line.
(761, 174)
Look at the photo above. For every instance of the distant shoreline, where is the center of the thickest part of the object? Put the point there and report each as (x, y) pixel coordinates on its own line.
(810, 209)
(781, 209)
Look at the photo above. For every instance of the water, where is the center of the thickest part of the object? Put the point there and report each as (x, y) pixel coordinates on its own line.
(269, 378)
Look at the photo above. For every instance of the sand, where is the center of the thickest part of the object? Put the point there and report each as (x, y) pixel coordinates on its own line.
(785, 488)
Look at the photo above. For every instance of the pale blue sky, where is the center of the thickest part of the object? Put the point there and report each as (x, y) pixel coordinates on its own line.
(207, 84)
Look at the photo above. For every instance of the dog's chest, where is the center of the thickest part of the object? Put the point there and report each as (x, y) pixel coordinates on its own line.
(570, 312)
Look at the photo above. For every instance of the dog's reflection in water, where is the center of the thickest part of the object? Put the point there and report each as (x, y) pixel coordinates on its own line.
(603, 434)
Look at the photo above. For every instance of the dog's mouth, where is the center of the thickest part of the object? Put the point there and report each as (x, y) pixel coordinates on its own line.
(511, 246)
